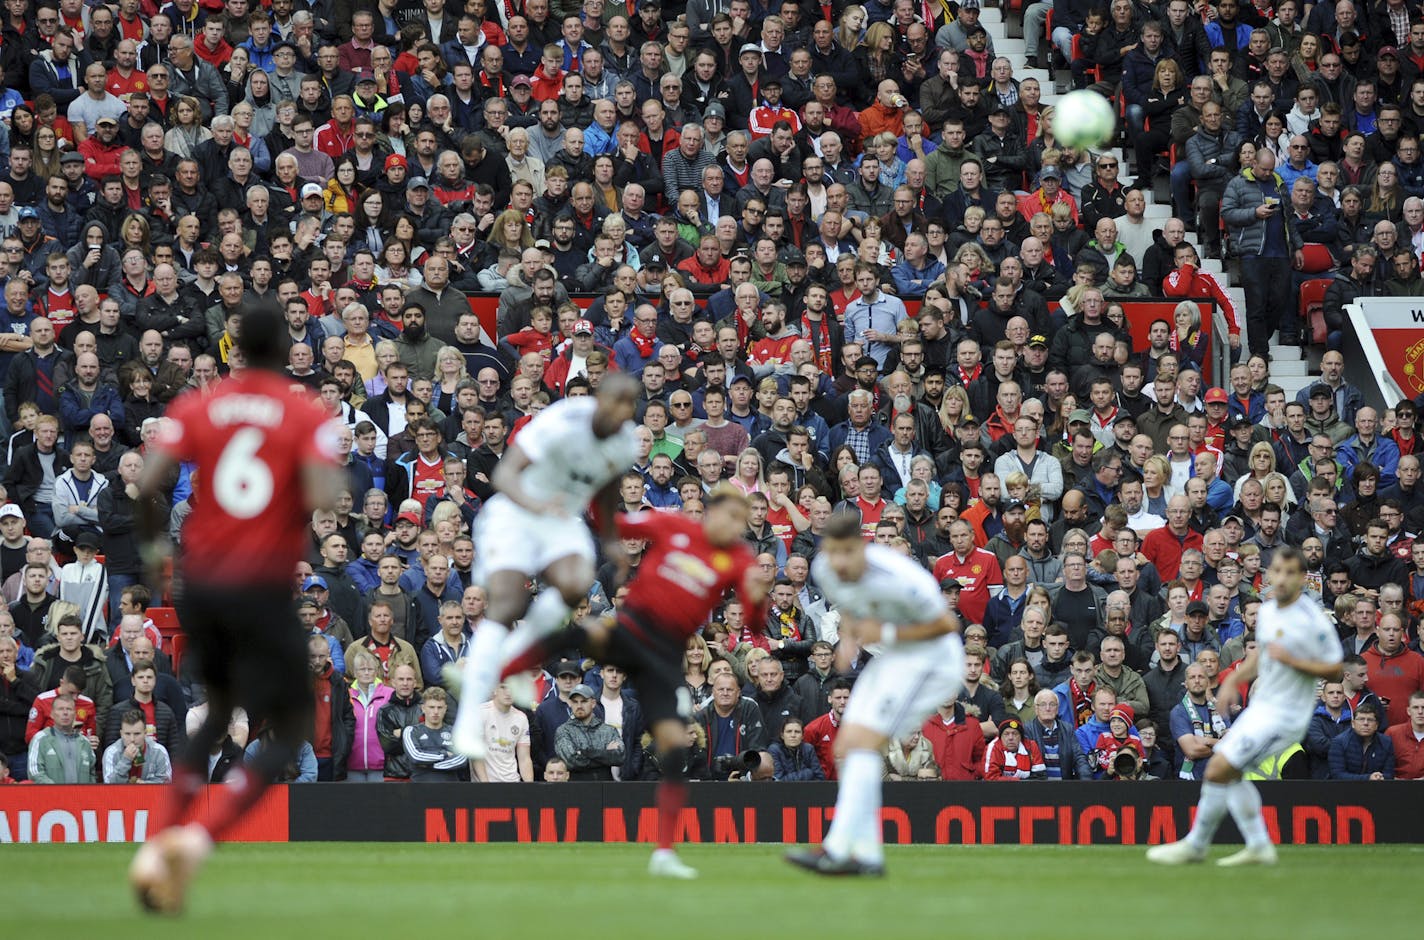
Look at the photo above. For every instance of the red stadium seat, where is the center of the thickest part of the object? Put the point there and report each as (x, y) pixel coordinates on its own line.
(166, 620)
(1312, 307)
(1317, 259)
(1096, 71)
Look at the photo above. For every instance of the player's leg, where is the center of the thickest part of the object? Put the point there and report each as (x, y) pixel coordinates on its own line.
(670, 739)
(855, 832)
(508, 599)
(567, 581)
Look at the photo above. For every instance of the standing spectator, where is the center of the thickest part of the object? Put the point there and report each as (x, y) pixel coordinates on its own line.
(590, 747)
(401, 711)
(1396, 672)
(1255, 209)
(134, 757)
(1407, 737)
(368, 696)
(506, 732)
(335, 721)
(958, 742)
(60, 753)
(17, 692)
(427, 743)
(821, 732)
(1332, 718)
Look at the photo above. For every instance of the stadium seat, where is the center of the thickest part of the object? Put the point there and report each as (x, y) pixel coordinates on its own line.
(1312, 307)
(166, 620)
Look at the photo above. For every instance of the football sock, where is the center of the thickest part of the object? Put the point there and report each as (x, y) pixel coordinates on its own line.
(187, 785)
(1211, 809)
(244, 787)
(860, 782)
(1244, 801)
(543, 650)
(671, 796)
(545, 616)
(481, 670)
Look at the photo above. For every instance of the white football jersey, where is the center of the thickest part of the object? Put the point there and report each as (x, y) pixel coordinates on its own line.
(567, 462)
(1304, 631)
(894, 589)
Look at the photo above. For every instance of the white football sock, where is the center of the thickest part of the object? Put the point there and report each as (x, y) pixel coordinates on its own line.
(482, 668)
(860, 786)
(1211, 810)
(1244, 801)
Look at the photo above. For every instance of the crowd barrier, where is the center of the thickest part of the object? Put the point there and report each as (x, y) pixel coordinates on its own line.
(1297, 813)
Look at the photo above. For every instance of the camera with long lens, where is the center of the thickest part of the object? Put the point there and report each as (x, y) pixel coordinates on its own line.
(725, 765)
(1126, 764)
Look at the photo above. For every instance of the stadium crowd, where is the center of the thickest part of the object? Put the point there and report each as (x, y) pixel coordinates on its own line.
(853, 270)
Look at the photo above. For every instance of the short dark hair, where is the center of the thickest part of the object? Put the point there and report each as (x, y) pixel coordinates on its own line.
(843, 525)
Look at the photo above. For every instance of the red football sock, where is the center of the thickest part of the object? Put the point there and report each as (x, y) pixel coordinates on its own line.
(672, 797)
(187, 785)
(243, 788)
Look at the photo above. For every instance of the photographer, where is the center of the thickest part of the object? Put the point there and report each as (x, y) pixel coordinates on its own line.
(1119, 752)
(733, 727)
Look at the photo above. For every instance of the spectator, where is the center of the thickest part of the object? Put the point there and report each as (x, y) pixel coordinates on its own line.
(134, 757)
(1362, 753)
(60, 753)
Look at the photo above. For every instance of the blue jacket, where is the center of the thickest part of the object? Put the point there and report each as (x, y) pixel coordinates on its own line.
(1002, 616)
(1351, 760)
(802, 764)
(435, 653)
(1323, 732)
(1383, 453)
(911, 281)
(629, 360)
(363, 574)
(75, 415)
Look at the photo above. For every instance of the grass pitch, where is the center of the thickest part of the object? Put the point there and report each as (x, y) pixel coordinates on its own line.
(601, 891)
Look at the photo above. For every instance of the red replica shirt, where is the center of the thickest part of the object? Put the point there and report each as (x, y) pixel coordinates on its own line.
(118, 86)
(780, 521)
(250, 439)
(977, 573)
(683, 576)
(770, 352)
(427, 479)
(821, 734)
(85, 714)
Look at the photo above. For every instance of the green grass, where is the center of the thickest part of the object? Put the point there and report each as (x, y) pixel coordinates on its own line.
(591, 892)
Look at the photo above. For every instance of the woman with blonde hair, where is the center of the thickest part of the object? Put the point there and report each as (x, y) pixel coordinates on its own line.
(954, 408)
(1187, 339)
(386, 353)
(1278, 491)
(696, 660)
(368, 696)
(449, 373)
(877, 57)
(748, 478)
(851, 27)
(885, 147)
(1156, 485)
(511, 232)
(1260, 463)
(616, 228)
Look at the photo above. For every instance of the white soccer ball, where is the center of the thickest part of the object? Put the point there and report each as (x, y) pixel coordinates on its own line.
(1083, 120)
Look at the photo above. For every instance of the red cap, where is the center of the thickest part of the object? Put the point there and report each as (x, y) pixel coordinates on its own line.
(1215, 396)
(411, 517)
(396, 159)
(583, 326)
(1125, 712)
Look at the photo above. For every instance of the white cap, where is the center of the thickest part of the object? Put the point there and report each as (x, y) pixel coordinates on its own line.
(11, 511)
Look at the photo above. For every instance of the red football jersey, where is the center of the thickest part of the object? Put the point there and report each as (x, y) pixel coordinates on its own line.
(682, 577)
(250, 440)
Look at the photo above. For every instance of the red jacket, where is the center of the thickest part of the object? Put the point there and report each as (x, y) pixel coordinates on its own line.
(958, 747)
(821, 735)
(100, 160)
(1000, 765)
(1394, 678)
(556, 375)
(333, 141)
(1187, 281)
(1408, 753)
(1164, 550)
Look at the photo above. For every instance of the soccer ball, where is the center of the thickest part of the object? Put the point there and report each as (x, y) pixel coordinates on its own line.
(1083, 119)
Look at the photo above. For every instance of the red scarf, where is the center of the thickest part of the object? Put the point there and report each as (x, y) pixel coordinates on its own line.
(821, 339)
(643, 343)
(966, 377)
(1082, 702)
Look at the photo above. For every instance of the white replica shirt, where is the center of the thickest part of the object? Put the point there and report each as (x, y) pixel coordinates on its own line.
(568, 462)
(504, 732)
(1303, 630)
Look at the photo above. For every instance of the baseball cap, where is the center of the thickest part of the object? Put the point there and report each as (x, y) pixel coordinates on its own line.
(1198, 607)
(999, 108)
(1238, 421)
(1038, 339)
(750, 47)
(87, 540)
(308, 602)
(11, 511)
(72, 156)
(581, 691)
(567, 667)
(411, 517)
(1124, 417)
(1080, 414)
(1050, 173)
(739, 378)
(365, 75)
(28, 212)
(417, 182)
(1390, 51)
(1013, 505)
(521, 81)
(792, 255)
(583, 326)
(969, 4)
(716, 110)
(314, 581)
(1215, 396)
(543, 244)
(1318, 390)
(106, 119)
(1239, 521)
(396, 159)
(311, 189)
(950, 584)
(771, 80)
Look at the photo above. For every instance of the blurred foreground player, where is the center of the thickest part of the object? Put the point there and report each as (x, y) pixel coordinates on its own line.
(885, 598)
(686, 570)
(267, 458)
(1301, 647)
(533, 527)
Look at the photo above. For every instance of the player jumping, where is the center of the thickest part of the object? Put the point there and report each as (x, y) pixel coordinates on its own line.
(267, 457)
(884, 598)
(1301, 647)
(534, 526)
(686, 570)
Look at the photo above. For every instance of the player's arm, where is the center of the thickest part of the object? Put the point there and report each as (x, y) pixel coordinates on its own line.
(1242, 675)
(508, 479)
